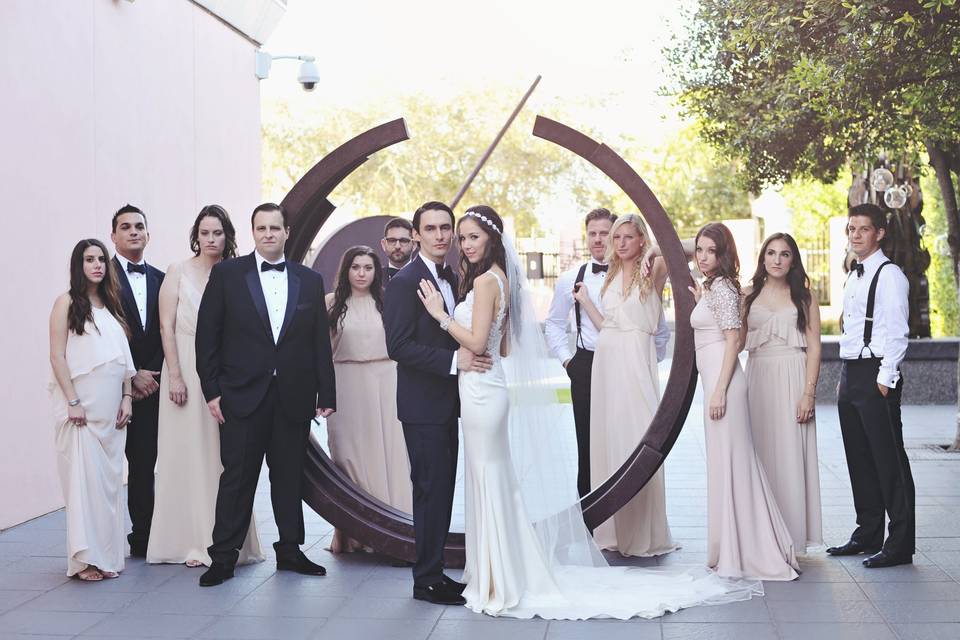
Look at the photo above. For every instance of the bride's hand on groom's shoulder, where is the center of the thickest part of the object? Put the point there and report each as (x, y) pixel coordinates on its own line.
(431, 298)
(469, 361)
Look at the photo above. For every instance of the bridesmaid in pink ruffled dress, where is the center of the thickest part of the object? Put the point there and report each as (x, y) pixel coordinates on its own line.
(746, 534)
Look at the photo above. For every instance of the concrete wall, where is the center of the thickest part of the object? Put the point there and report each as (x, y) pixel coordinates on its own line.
(105, 102)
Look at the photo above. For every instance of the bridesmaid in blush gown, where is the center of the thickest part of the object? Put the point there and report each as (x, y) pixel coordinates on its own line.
(625, 366)
(365, 437)
(188, 441)
(746, 534)
(783, 337)
(91, 396)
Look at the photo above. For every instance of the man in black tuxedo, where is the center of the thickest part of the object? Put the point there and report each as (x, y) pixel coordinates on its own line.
(428, 401)
(398, 244)
(140, 289)
(266, 369)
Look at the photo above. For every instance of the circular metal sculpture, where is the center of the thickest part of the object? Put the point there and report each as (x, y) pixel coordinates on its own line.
(335, 497)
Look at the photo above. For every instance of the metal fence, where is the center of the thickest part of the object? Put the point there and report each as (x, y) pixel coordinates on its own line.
(816, 260)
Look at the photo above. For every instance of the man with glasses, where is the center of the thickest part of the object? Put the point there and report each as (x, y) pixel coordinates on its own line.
(398, 244)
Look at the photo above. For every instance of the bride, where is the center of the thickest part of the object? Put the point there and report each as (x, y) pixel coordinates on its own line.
(528, 552)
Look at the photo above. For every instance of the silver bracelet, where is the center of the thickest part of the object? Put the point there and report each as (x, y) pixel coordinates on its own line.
(73, 402)
(445, 323)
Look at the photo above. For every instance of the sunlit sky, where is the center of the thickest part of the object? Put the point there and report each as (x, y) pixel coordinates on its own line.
(371, 51)
(374, 52)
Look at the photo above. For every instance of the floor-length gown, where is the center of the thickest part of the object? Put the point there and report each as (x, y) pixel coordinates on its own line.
(776, 379)
(625, 392)
(90, 458)
(746, 535)
(188, 449)
(364, 436)
(509, 570)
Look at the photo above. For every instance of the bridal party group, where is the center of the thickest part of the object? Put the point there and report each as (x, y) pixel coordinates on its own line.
(195, 375)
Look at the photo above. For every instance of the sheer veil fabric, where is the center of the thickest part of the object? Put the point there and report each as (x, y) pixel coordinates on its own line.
(532, 554)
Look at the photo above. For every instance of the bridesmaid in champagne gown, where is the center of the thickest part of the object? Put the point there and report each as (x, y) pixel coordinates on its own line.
(625, 366)
(746, 534)
(188, 442)
(782, 374)
(365, 437)
(90, 391)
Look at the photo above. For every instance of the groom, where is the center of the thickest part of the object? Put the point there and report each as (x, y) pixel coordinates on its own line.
(428, 402)
(266, 369)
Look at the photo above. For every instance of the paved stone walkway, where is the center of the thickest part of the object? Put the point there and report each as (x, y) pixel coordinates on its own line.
(364, 598)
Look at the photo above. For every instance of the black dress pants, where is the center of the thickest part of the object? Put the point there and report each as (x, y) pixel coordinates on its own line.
(243, 444)
(433, 471)
(579, 370)
(878, 465)
(141, 450)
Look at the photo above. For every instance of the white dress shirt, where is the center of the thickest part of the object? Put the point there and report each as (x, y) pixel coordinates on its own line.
(448, 298)
(560, 319)
(138, 283)
(274, 285)
(891, 314)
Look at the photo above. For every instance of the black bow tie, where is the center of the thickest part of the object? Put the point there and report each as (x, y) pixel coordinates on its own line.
(392, 271)
(266, 266)
(444, 272)
(858, 267)
(136, 268)
(599, 268)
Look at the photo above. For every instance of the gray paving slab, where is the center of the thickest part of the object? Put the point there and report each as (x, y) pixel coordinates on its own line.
(364, 597)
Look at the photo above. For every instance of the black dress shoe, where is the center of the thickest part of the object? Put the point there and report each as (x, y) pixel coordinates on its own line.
(300, 564)
(453, 585)
(852, 549)
(438, 593)
(216, 574)
(884, 559)
(138, 552)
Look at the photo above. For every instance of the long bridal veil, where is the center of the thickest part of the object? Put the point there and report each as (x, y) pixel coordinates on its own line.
(544, 453)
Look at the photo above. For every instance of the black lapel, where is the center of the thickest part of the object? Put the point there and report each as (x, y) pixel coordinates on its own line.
(129, 302)
(293, 294)
(426, 273)
(256, 293)
(153, 293)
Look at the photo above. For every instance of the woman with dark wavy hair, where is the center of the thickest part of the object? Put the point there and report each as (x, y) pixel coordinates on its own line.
(782, 334)
(188, 438)
(364, 436)
(92, 404)
(746, 534)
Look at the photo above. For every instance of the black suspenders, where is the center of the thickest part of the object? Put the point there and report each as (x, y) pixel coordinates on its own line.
(868, 319)
(576, 305)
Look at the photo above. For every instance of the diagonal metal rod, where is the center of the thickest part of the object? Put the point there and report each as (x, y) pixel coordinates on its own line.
(493, 145)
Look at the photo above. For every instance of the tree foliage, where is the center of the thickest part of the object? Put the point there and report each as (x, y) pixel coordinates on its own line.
(446, 140)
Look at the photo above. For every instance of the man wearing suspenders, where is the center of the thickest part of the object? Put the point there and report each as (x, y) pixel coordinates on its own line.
(580, 363)
(872, 346)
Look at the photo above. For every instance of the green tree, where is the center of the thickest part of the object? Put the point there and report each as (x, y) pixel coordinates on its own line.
(446, 140)
(801, 88)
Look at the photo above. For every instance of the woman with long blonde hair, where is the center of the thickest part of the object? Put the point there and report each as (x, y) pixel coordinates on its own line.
(625, 388)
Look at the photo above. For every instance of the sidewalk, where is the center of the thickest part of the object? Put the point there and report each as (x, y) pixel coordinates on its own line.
(363, 597)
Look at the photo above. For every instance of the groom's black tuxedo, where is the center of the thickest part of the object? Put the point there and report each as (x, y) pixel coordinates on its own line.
(428, 405)
(269, 391)
(141, 447)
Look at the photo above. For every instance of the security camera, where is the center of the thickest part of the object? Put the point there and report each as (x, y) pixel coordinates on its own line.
(309, 75)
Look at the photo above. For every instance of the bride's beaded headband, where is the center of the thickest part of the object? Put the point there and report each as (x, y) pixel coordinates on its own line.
(483, 218)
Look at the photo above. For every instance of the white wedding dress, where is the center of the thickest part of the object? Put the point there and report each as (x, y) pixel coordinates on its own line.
(520, 568)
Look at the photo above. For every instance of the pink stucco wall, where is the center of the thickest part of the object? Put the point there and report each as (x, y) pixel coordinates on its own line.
(104, 102)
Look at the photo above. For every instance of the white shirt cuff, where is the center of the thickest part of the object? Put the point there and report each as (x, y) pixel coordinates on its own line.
(887, 378)
(453, 365)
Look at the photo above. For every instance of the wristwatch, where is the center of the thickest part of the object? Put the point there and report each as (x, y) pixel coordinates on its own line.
(74, 402)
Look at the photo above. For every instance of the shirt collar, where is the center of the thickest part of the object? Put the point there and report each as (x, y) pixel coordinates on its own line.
(595, 261)
(430, 264)
(875, 259)
(124, 262)
(260, 260)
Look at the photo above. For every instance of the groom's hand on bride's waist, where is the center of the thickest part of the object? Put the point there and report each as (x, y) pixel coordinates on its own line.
(469, 361)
